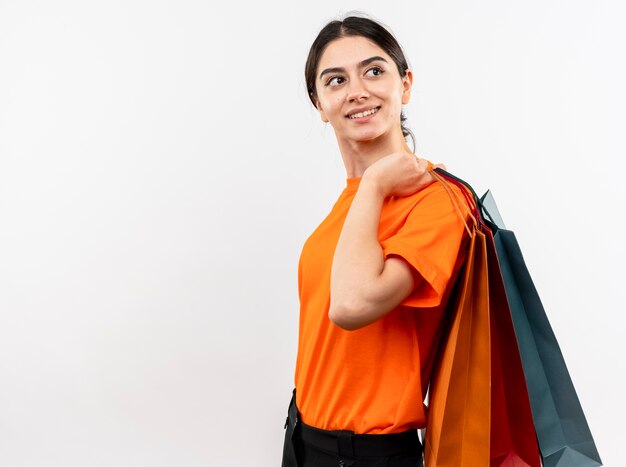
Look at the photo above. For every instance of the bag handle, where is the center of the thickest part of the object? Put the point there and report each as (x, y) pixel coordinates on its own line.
(468, 198)
(477, 201)
(454, 197)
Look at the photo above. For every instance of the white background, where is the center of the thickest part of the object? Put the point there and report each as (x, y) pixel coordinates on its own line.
(161, 167)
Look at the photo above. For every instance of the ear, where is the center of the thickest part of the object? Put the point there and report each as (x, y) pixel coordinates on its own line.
(407, 84)
(322, 113)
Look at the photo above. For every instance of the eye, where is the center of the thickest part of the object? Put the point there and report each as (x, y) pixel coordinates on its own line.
(378, 69)
(379, 72)
(331, 80)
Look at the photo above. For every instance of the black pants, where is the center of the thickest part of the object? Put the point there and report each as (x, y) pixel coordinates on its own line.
(307, 446)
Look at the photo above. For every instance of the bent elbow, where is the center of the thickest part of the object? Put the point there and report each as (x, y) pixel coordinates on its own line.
(347, 317)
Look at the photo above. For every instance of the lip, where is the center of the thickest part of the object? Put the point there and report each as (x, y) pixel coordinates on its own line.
(363, 109)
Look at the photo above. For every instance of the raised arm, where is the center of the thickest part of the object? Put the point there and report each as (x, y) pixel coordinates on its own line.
(363, 285)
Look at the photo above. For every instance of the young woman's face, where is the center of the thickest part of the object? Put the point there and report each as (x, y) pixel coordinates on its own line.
(354, 74)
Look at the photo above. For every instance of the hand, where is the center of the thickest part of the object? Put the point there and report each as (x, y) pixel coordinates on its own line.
(400, 174)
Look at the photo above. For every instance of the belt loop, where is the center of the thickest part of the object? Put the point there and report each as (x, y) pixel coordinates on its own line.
(345, 448)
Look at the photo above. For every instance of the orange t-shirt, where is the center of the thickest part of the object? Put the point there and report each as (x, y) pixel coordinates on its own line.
(373, 380)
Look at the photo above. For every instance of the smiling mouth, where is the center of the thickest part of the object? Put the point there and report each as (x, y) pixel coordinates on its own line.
(364, 113)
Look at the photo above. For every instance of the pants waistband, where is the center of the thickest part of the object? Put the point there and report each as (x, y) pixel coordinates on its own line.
(347, 444)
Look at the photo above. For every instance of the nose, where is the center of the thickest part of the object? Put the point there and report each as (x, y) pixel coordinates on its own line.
(356, 91)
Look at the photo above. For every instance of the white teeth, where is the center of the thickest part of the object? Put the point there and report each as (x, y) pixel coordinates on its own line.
(363, 114)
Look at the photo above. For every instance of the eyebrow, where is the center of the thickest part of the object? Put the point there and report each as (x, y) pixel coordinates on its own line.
(365, 62)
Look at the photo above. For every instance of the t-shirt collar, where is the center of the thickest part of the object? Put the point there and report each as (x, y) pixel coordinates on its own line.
(352, 184)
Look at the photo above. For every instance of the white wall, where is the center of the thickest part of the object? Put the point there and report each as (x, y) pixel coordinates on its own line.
(161, 167)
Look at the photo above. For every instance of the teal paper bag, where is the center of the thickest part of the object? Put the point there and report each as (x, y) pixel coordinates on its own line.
(562, 430)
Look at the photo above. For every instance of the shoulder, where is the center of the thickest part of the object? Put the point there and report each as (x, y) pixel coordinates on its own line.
(444, 204)
(440, 196)
(450, 192)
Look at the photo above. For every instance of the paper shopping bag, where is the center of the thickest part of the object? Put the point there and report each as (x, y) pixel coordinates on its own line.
(513, 440)
(512, 434)
(457, 432)
(561, 428)
(562, 431)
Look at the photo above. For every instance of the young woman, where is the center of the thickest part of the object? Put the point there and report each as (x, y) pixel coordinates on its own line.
(375, 276)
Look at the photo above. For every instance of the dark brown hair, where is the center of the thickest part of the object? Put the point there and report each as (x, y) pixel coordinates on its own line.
(355, 26)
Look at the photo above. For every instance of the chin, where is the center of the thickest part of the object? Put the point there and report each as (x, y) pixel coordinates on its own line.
(367, 136)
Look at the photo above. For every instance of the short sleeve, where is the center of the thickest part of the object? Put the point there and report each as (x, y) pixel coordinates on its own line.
(430, 240)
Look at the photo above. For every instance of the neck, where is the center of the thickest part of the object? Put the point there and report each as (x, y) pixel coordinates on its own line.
(359, 155)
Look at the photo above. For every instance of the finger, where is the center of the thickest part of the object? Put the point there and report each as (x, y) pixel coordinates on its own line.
(440, 166)
(422, 165)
